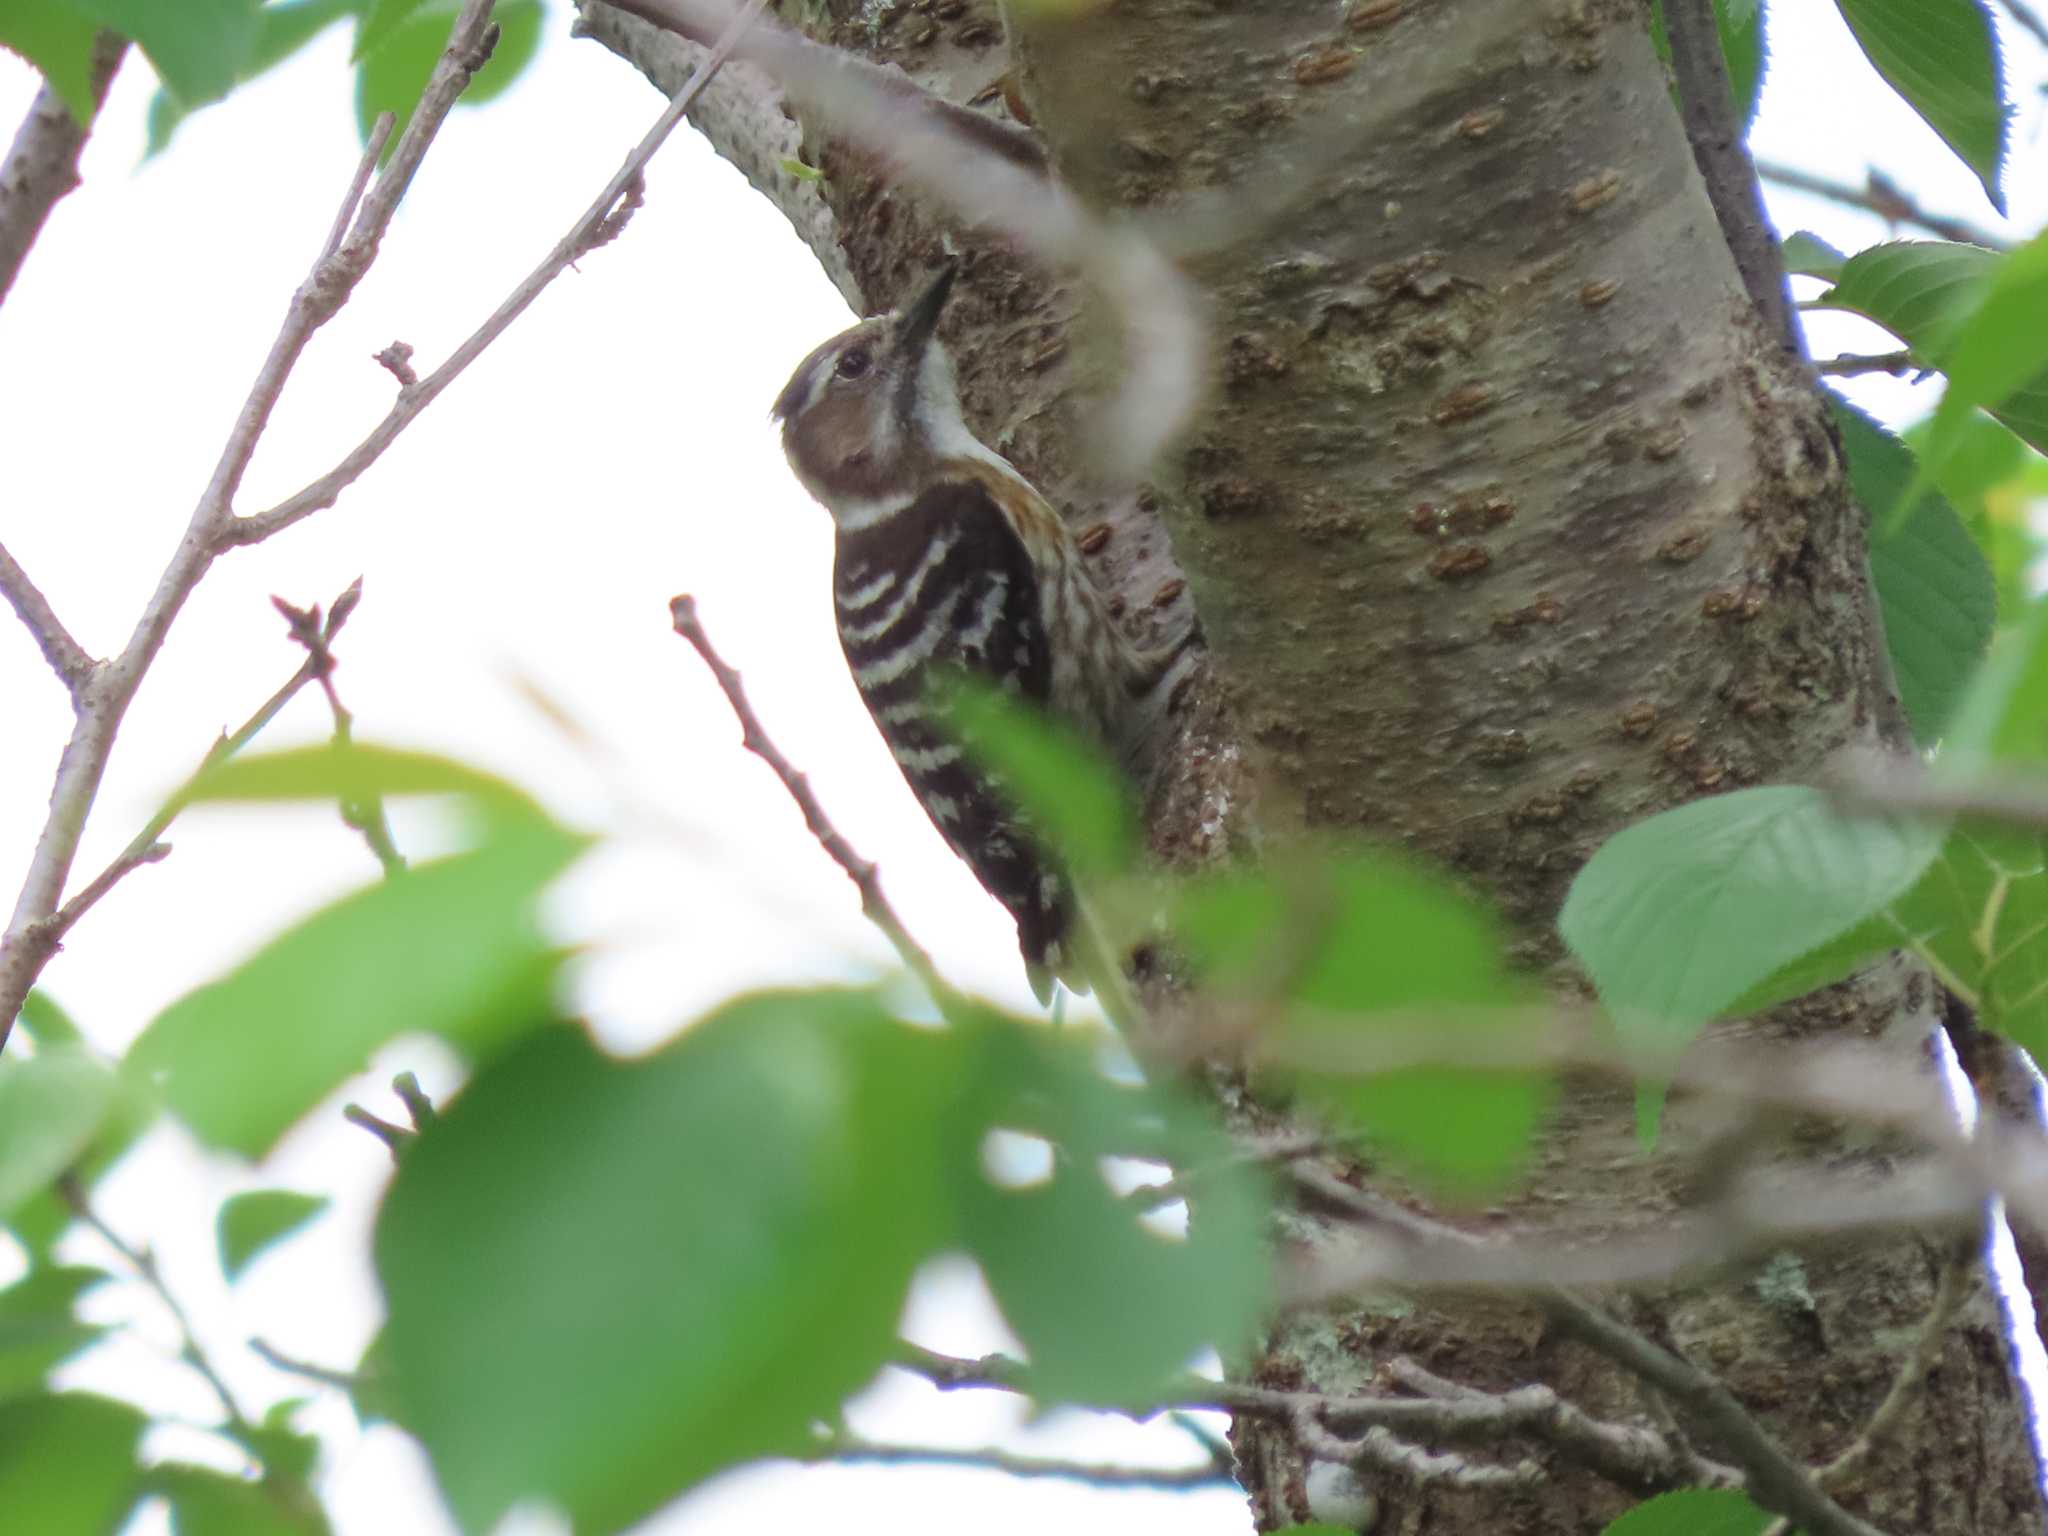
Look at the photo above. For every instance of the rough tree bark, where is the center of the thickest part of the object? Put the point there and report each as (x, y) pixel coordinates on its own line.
(1508, 524)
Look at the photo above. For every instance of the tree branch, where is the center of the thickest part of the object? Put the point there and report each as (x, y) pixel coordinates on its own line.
(1849, 366)
(1707, 107)
(67, 658)
(2027, 20)
(852, 1448)
(599, 224)
(1885, 198)
(41, 168)
(101, 704)
(866, 877)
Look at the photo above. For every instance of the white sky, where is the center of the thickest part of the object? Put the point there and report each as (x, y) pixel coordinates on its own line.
(612, 450)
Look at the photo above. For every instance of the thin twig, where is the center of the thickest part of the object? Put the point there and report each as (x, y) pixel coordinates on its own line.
(1949, 1294)
(42, 165)
(326, 1376)
(1631, 1456)
(2017, 800)
(754, 737)
(2027, 20)
(852, 1448)
(1850, 365)
(366, 815)
(1708, 109)
(599, 222)
(101, 704)
(67, 658)
(144, 1264)
(145, 847)
(1884, 197)
(1773, 1479)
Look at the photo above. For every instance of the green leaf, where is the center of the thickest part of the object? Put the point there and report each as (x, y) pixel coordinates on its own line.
(448, 948)
(1919, 290)
(390, 78)
(352, 772)
(52, 1105)
(209, 1503)
(43, 1218)
(2003, 718)
(67, 1463)
(1807, 255)
(55, 36)
(281, 31)
(608, 1280)
(380, 21)
(1994, 353)
(1941, 56)
(1934, 589)
(1074, 799)
(198, 47)
(47, 1023)
(1986, 479)
(1679, 916)
(1692, 1512)
(1129, 1304)
(39, 1329)
(1368, 944)
(250, 1223)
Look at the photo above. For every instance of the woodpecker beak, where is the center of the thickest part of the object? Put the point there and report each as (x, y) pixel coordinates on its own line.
(921, 318)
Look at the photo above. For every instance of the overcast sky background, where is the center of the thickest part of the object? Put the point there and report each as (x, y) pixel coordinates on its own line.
(527, 533)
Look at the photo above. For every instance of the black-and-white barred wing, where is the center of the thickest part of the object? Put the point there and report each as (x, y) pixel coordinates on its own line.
(945, 582)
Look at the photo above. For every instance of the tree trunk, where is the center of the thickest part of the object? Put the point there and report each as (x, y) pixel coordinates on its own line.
(1508, 524)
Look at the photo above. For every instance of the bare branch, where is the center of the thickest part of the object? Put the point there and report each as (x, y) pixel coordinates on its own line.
(852, 1448)
(600, 222)
(1631, 1456)
(67, 658)
(862, 872)
(101, 703)
(1772, 1478)
(326, 1376)
(1730, 175)
(366, 815)
(1849, 366)
(2016, 799)
(41, 168)
(1885, 198)
(144, 1265)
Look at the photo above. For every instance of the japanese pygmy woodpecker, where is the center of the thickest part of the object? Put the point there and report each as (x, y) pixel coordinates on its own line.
(947, 558)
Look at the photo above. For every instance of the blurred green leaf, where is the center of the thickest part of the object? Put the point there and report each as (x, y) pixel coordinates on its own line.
(697, 1253)
(281, 31)
(1061, 784)
(2003, 717)
(1807, 255)
(380, 21)
(198, 47)
(51, 1107)
(352, 772)
(39, 1327)
(47, 1023)
(448, 948)
(1129, 1303)
(1692, 1512)
(1679, 916)
(1934, 588)
(1987, 477)
(1994, 353)
(1941, 56)
(390, 77)
(250, 1223)
(1378, 953)
(43, 1218)
(55, 36)
(208, 1503)
(67, 1463)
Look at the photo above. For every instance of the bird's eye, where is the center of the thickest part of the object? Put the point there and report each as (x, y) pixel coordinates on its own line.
(852, 364)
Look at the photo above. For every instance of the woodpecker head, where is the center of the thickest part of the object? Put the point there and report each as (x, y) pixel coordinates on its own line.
(867, 418)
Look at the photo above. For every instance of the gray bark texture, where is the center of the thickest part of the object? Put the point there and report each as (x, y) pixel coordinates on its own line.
(1507, 523)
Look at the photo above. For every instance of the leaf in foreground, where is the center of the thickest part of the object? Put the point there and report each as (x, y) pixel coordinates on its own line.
(449, 948)
(67, 1463)
(251, 1223)
(608, 1280)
